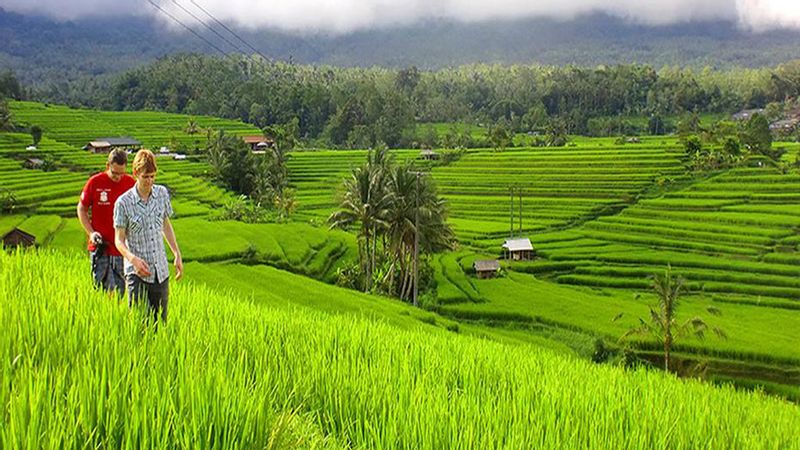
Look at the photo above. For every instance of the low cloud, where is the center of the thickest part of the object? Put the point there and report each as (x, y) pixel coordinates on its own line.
(342, 16)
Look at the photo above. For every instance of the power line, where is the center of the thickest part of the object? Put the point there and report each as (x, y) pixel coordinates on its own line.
(211, 44)
(229, 30)
(208, 26)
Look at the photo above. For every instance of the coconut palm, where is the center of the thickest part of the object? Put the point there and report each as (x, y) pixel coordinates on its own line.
(663, 324)
(363, 202)
(408, 193)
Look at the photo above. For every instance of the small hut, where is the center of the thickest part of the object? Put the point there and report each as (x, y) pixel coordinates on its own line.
(258, 143)
(428, 154)
(33, 163)
(746, 114)
(518, 249)
(17, 238)
(105, 145)
(486, 268)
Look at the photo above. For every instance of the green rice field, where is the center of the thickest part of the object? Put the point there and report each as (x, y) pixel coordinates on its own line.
(602, 218)
(81, 370)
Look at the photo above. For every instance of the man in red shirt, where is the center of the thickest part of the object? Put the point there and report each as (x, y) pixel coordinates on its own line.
(98, 197)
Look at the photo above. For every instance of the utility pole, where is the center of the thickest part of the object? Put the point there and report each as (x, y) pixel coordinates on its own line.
(519, 191)
(416, 242)
(511, 228)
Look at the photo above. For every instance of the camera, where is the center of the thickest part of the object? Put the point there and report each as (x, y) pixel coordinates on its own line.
(99, 246)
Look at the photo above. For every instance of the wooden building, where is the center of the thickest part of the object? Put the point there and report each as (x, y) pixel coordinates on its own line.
(105, 145)
(33, 163)
(518, 249)
(746, 114)
(258, 143)
(428, 154)
(486, 268)
(17, 238)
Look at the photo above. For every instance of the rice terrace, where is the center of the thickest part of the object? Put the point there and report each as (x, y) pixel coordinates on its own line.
(479, 256)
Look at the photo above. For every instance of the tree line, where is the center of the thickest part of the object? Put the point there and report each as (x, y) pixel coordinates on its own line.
(357, 107)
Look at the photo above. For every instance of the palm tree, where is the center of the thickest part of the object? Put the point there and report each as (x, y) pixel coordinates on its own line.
(363, 202)
(191, 127)
(663, 324)
(406, 190)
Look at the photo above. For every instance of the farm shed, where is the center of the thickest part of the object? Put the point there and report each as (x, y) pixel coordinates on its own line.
(33, 163)
(486, 268)
(518, 249)
(784, 126)
(428, 154)
(105, 145)
(257, 143)
(17, 237)
(746, 114)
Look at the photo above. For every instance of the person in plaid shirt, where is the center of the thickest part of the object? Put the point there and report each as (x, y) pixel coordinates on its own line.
(141, 223)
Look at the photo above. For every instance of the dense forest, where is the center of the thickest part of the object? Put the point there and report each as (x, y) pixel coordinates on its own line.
(364, 107)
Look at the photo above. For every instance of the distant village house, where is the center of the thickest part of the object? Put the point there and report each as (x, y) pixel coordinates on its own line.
(518, 249)
(258, 143)
(746, 114)
(428, 154)
(786, 126)
(17, 238)
(486, 268)
(105, 145)
(33, 163)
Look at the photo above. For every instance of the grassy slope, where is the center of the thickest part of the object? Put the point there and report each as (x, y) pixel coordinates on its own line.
(228, 373)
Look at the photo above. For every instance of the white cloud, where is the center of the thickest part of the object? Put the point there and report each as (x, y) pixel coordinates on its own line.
(341, 16)
(764, 14)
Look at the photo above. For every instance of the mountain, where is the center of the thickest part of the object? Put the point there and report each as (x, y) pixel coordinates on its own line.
(43, 50)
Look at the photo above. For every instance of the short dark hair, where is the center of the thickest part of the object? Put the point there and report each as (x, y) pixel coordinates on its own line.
(118, 156)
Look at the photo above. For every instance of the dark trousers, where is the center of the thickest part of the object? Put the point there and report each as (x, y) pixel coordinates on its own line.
(107, 273)
(155, 294)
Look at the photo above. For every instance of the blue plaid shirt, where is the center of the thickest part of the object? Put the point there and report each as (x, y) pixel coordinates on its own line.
(143, 222)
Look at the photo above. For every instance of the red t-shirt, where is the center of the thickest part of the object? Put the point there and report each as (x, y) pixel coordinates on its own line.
(100, 194)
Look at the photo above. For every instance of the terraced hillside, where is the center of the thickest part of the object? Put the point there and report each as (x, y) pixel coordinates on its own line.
(76, 127)
(560, 187)
(317, 176)
(735, 235)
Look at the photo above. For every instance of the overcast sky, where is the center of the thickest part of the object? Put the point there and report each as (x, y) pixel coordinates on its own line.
(341, 16)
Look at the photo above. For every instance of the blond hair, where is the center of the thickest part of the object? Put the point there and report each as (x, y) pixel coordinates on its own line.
(144, 162)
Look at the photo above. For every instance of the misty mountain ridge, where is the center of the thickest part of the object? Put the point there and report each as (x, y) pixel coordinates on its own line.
(41, 50)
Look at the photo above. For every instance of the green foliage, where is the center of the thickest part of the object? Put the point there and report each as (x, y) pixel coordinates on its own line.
(656, 125)
(500, 135)
(8, 201)
(692, 145)
(387, 201)
(10, 86)
(732, 146)
(245, 210)
(349, 107)
(231, 161)
(6, 119)
(556, 133)
(36, 134)
(756, 136)
(662, 323)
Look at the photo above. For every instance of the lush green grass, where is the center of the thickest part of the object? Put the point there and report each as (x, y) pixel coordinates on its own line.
(80, 370)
